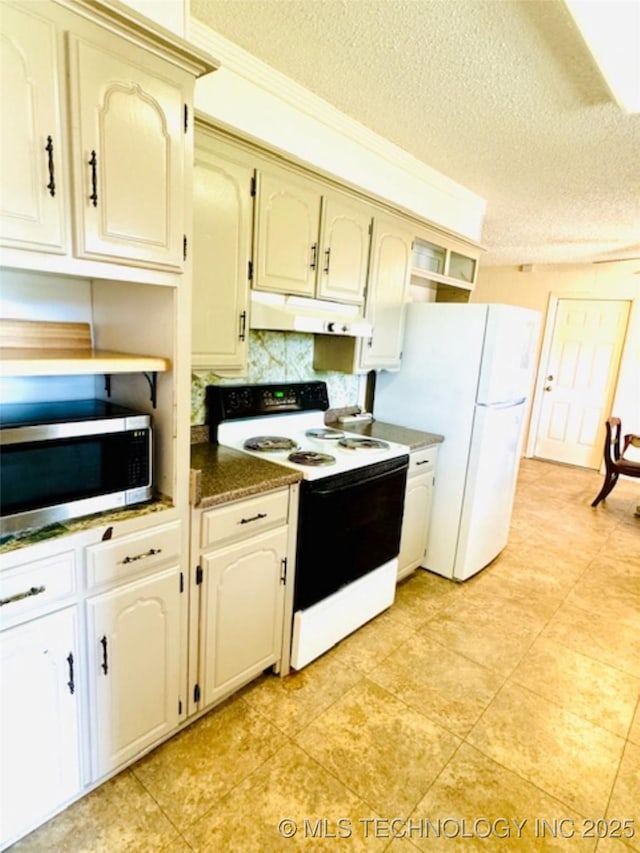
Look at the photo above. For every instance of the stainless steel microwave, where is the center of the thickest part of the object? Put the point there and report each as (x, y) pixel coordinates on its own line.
(62, 460)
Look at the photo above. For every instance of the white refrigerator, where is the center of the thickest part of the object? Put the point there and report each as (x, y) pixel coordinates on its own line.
(466, 374)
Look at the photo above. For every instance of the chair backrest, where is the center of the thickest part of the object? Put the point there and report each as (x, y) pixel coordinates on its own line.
(612, 443)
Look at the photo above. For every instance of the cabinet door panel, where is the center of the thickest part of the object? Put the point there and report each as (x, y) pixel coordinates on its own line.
(287, 226)
(344, 258)
(387, 297)
(242, 627)
(134, 636)
(32, 197)
(39, 722)
(129, 195)
(415, 523)
(222, 212)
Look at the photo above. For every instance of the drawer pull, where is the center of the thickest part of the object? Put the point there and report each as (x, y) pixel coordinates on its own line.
(150, 553)
(253, 518)
(35, 590)
(423, 462)
(105, 662)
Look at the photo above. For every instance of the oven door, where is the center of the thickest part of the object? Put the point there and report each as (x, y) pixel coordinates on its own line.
(349, 525)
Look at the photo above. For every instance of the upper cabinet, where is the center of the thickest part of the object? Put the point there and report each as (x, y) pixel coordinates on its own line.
(222, 221)
(32, 167)
(119, 176)
(387, 296)
(309, 240)
(128, 113)
(444, 267)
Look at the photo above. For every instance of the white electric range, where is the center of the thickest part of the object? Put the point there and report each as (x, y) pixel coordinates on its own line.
(351, 504)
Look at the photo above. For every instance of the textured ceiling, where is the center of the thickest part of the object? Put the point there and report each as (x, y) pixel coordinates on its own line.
(499, 95)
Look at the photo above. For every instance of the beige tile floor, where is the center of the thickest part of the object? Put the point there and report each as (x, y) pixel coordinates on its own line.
(468, 714)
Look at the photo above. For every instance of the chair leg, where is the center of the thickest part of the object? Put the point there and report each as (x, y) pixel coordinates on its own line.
(607, 486)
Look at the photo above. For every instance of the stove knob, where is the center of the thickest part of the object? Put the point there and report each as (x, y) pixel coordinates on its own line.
(331, 327)
(345, 329)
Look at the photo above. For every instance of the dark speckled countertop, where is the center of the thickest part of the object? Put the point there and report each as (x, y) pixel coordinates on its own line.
(413, 438)
(220, 474)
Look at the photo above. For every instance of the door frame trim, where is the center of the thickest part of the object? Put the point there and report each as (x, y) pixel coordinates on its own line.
(547, 341)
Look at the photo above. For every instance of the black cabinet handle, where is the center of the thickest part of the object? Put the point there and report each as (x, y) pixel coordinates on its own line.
(253, 518)
(51, 186)
(314, 256)
(243, 326)
(150, 553)
(34, 590)
(93, 162)
(327, 257)
(71, 684)
(105, 662)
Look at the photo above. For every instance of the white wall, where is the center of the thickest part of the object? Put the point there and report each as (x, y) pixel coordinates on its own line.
(247, 95)
(618, 280)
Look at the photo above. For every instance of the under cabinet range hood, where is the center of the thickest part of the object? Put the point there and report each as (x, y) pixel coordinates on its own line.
(277, 312)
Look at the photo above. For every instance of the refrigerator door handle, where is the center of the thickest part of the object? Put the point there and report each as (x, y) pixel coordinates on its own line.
(506, 404)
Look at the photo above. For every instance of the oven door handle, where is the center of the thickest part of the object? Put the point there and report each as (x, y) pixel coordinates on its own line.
(360, 481)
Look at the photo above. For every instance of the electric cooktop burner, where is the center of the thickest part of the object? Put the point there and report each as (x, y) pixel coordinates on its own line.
(270, 443)
(310, 457)
(363, 444)
(325, 434)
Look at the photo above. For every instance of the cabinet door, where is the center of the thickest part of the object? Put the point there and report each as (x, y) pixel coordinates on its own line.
(32, 184)
(387, 296)
(222, 211)
(39, 721)
(134, 656)
(344, 257)
(129, 143)
(415, 523)
(287, 228)
(243, 611)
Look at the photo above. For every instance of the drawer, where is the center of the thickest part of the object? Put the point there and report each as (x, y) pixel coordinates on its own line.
(115, 561)
(244, 519)
(30, 589)
(422, 461)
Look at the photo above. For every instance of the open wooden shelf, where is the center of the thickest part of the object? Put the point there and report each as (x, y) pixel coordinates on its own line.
(30, 348)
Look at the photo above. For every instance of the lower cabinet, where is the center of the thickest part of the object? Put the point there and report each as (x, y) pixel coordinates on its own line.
(245, 591)
(134, 661)
(417, 510)
(243, 596)
(40, 737)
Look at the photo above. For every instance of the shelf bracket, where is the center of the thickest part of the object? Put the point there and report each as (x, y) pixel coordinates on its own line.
(152, 379)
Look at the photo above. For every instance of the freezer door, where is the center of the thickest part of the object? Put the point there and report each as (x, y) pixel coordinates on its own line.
(508, 356)
(490, 487)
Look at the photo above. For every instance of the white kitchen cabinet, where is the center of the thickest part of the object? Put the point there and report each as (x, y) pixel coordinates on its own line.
(126, 144)
(32, 147)
(40, 740)
(309, 240)
(417, 510)
(128, 114)
(387, 296)
(134, 659)
(244, 578)
(135, 641)
(222, 223)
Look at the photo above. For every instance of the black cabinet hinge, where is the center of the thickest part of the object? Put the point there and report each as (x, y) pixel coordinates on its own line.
(186, 118)
(198, 574)
(181, 581)
(196, 693)
(250, 270)
(253, 186)
(184, 248)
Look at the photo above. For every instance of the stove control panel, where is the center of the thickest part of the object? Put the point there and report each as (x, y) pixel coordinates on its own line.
(233, 402)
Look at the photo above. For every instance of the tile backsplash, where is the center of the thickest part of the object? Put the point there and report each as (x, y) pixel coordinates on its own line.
(278, 357)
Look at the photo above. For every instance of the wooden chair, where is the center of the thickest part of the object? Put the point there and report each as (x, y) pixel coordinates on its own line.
(615, 463)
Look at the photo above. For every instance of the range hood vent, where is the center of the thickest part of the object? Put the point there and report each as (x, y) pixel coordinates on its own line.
(298, 314)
